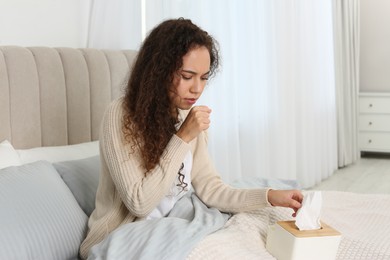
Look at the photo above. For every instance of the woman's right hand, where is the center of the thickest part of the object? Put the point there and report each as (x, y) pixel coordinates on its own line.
(198, 120)
(286, 198)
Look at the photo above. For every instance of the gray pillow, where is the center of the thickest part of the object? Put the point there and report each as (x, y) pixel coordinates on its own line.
(82, 178)
(39, 217)
(256, 182)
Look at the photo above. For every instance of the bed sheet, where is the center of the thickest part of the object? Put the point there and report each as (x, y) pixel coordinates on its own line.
(362, 219)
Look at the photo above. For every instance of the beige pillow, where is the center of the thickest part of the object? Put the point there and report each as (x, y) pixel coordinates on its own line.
(8, 155)
(59, 153)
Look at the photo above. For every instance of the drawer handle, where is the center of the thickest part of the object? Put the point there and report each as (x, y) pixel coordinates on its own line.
(369, 123)
(369, 141)
(370, 105)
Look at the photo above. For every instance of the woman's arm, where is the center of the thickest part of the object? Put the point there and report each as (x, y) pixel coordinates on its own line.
(214, 192)
(139, 192)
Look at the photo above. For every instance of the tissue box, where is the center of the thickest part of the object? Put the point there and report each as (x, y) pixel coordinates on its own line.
(286, 242)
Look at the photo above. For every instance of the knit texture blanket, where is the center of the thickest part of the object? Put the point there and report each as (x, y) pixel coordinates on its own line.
(362, 219)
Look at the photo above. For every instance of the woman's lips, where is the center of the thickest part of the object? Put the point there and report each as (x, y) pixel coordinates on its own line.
(191, 100)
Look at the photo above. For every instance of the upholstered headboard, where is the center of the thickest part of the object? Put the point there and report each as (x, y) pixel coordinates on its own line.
(57, 96)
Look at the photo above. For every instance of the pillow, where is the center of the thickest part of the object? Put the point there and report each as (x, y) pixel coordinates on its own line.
(59, 153)
(39, 217)
(8, 155)
(82, 178)
(257, 182)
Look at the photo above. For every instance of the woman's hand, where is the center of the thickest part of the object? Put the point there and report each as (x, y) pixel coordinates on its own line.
(197, 120)
(286, 198)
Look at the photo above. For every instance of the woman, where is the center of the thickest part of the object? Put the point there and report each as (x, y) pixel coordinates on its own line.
(153, 142)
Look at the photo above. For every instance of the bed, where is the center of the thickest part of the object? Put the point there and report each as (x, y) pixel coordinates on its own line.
(51, 104)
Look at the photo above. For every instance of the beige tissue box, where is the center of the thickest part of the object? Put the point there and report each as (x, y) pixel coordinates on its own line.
(286, 242)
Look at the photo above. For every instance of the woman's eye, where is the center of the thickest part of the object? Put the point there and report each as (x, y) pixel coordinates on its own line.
(206, 78)
(185, 77)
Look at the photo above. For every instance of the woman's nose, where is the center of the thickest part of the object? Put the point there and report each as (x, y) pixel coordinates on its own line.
(197, 87)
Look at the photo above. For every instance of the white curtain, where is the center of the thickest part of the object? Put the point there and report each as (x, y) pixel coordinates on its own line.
(115, 24)
(347, 37)
(274, 106)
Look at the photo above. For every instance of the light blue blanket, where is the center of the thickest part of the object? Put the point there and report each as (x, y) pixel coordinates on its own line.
(172, 237)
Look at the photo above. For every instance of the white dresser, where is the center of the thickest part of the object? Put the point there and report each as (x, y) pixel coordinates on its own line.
(374, 122)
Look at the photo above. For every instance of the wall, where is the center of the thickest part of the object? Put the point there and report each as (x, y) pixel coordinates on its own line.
(375, 45)
(53, 23)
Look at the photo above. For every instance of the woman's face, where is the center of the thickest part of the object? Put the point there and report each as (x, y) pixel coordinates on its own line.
(190, 81)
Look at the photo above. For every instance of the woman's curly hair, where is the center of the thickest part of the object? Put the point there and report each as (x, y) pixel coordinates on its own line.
(148, 120)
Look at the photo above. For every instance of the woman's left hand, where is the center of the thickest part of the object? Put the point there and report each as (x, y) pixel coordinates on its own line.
(286, 198)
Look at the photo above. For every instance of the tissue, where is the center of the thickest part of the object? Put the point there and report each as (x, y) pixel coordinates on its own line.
(308, 216)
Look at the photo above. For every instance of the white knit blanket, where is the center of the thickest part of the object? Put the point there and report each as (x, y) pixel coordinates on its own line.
(363, 220)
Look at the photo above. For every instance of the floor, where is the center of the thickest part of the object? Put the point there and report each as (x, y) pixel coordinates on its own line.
(371, 174)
